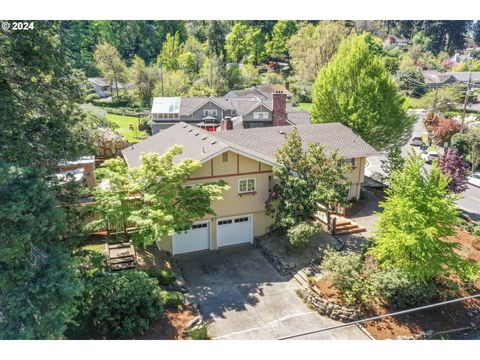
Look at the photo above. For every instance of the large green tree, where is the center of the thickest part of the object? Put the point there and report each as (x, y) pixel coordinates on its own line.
(37, 283)
(161, 204)
(311, 48)
(306, 177)
(418, 215)
(171, 50)
(110, 64)
(283, 30)
(356, 89)
(145, 78)
(40, 119)
(245, 43)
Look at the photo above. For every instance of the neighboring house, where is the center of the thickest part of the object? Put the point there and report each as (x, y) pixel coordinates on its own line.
(104, 88)
(81, 170)
(243, 158)
(465, 77)
(394, 41)
(208, 112)
(434, 78)
(263, 92)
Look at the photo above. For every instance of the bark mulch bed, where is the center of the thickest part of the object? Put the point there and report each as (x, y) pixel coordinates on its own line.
(170, 327)
(444, 318)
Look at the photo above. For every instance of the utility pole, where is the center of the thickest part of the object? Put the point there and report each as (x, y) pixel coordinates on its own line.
(161, 76)
(434, 107)
(465, 103)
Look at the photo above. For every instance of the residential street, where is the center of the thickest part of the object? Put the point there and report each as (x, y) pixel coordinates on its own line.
(470, 201)
(245, 298)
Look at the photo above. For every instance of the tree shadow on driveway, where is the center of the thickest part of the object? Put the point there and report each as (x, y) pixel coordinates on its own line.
(230, 279)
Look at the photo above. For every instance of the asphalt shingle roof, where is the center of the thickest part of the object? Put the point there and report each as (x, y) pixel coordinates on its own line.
(260, 142)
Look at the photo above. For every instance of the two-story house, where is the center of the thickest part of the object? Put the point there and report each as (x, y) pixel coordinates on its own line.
(208, 112)
(244, 158)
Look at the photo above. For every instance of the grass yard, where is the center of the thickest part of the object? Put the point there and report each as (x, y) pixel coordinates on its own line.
(124, 122)
(305, 106)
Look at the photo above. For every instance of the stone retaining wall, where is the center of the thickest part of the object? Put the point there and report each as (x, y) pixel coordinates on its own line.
(330, 308)
(279, 263)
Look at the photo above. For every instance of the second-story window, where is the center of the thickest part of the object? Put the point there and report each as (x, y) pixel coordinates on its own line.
(246, 185)
(260, 115)
(210, 112)
(225, 157)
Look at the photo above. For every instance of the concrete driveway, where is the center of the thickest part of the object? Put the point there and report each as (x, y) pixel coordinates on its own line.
(244, 297)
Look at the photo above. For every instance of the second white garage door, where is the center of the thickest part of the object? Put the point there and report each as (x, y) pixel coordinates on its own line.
(195, 239)
(234, 230)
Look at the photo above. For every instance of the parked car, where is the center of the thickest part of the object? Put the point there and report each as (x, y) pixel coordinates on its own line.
(474, 179)
(429, 156)
(416, 140)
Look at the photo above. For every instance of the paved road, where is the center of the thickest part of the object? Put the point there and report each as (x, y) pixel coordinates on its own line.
(470, 201)
(245, 298)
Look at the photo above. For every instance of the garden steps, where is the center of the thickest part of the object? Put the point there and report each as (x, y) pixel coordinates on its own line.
(306, 272)
(344, 226)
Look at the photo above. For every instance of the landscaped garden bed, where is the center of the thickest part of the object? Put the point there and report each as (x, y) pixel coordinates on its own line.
(430, 323)
(275, 247)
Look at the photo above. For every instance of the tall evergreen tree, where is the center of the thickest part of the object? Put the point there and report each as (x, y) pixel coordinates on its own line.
(356, 89)
(37, 282)
(40, 92)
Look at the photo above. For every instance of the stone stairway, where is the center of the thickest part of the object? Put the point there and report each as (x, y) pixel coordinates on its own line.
(306, 272)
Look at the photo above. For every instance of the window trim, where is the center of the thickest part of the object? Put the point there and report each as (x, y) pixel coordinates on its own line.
(210, 112)
(246, 187)
(263, 117)
(225, 157)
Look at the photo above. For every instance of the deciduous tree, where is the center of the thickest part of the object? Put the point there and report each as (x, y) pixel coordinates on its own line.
(453, 165)
(356, 89)
(283, 30)
(171, 50)
(418, 215)
(145, 78)
(110, 64)
(311, 48)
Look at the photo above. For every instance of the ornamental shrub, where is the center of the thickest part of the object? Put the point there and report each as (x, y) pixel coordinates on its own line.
(116, 306)
(164, 277)
(346, 270)
(172, 299)
(301, 234)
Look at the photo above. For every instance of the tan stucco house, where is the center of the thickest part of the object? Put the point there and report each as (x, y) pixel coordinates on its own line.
(243, 158)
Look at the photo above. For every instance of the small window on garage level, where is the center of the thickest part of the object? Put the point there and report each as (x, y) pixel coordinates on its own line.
(225, 222)
(199, 226)
(225, 157)
(242, 219)
(246, 185)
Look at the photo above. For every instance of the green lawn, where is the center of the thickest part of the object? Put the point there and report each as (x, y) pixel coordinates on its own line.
(124, 122)
(305, 106)
(94, 247)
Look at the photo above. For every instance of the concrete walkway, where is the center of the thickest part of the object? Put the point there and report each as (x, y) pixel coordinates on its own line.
(245, 298)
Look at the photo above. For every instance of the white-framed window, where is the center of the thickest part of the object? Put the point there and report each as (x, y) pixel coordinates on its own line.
(260, 115)
(247, 185)
(211, 112)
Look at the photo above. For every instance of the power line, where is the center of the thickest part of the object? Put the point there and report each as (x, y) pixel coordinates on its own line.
(381, 317)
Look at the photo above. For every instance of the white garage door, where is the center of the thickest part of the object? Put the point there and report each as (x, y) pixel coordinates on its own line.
(234, 230)
(195, 239)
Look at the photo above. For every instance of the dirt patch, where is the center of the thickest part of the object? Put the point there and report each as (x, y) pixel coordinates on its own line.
(170, 327)
(152, 257)
(469, 245)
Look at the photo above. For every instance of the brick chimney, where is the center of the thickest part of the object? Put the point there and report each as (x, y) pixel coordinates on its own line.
(226, 124)
(279, 105)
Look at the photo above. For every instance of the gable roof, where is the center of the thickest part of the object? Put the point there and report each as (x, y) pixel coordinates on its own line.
(260, 144)
(264, 91)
